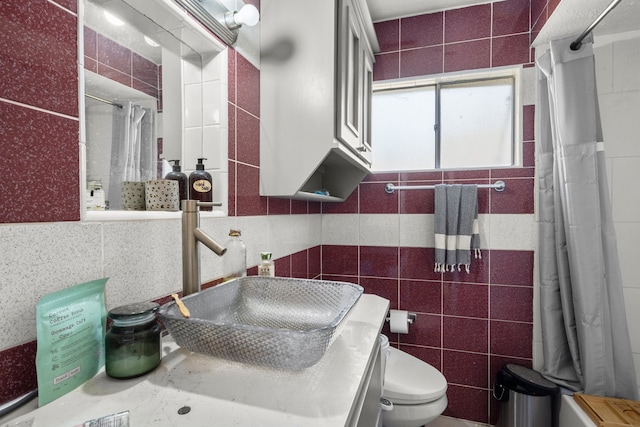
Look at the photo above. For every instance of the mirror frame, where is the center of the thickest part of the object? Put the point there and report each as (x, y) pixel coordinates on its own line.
(182, 26)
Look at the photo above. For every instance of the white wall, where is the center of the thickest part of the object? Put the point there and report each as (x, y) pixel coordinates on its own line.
(141, 258)
(618, 80)
(205, 119)
(98, 121)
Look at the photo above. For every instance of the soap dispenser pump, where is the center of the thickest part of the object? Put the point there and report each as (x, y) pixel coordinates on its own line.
(201, 185)
(181, 177)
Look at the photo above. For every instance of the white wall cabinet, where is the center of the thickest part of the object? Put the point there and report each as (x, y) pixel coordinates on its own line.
(355, 65)
(316, 72)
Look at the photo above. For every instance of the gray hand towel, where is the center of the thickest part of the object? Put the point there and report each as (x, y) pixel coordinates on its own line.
(456, 226)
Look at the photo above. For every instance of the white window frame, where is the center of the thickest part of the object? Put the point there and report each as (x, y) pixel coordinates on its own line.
(461, 77)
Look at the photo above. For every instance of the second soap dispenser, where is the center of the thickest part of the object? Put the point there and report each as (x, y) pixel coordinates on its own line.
(201, 185)
(181, 177)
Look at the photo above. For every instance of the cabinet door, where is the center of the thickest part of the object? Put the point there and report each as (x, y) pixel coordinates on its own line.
(350, 82)
(367, 95)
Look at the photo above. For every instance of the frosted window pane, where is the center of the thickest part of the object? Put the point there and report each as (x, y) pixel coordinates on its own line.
(476, 124)
(402, 129)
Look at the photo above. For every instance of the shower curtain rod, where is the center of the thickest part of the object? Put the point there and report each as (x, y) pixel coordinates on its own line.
(578, 42)
(97, 98)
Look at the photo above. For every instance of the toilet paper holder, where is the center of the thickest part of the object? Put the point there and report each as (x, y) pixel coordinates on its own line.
(411, 317)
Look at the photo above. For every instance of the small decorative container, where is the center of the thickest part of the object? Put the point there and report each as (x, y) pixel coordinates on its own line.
(162, 195)
(132, 343)
(133, 196)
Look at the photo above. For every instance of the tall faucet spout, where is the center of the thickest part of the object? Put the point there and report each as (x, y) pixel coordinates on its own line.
(191, 235)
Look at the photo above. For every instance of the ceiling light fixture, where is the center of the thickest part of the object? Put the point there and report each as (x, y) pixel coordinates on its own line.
(151, 42)
(113, 19)
(216, 17)
(247, 15)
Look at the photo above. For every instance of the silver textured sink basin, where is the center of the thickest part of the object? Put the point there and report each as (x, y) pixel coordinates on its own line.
(271, 321)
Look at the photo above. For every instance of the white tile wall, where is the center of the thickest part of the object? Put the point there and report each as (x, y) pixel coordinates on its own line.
(416, 231)
(340, 229)
(511, 232)
(620, 124)
(604, 63)
(618, 79)
(205, 121)
(37, 260)
(628, 236)
(506, 232)
(193, 105)
(625, 174)
(192, 148)
(379, 230)
(626, 65)
(141, 258)
(214, 147)
(631, 301)
(528, 87)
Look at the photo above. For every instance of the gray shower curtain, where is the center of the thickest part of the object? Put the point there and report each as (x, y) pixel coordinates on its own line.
(586, 344)
(134, 149)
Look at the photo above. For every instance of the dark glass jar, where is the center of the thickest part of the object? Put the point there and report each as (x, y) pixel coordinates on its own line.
(132, 343)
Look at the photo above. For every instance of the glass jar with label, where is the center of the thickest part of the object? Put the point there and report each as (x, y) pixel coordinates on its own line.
(132, 343)
(234, 262)
(266, 267)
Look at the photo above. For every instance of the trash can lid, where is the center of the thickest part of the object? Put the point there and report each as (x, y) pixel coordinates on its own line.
(525, 380)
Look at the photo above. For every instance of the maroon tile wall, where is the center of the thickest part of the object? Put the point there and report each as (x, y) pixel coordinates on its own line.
(116, 62)
(17, 371)
(399, 274)
(39, 112)
(541, 10)
(483, 36)
(468, 325)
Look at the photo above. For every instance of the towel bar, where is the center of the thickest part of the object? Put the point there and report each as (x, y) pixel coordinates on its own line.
(390, 188)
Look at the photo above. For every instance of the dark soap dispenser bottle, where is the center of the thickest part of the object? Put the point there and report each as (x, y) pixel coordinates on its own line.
(181, 177)
(201, 185)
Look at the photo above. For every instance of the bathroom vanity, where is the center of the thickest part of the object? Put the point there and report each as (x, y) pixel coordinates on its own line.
(190, 389)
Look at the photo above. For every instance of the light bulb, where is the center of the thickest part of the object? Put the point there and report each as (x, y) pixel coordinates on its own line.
(114, 20)
(247, 15)
(151, 42)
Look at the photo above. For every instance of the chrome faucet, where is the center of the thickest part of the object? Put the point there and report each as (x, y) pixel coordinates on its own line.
(191, 235)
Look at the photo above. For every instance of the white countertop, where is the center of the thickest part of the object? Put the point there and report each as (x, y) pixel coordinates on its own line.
(225, 393)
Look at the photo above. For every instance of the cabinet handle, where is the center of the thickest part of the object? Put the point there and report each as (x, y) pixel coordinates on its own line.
(362, 149)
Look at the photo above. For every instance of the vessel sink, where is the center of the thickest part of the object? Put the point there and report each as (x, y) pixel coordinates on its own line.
(271, 321)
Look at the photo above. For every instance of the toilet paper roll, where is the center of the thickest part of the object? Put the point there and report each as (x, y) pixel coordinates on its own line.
(399, 321)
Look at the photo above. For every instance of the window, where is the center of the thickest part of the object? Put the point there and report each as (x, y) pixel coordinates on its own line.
(453, 124)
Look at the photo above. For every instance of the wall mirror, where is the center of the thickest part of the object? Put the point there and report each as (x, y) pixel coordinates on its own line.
(155, 89)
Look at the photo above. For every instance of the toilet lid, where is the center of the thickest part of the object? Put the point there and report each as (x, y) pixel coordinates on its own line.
(409, 380)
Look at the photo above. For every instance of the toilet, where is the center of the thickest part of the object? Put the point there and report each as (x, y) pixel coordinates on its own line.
(414, 390)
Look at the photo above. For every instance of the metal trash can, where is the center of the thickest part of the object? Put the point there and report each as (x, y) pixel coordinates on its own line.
(525, 396)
